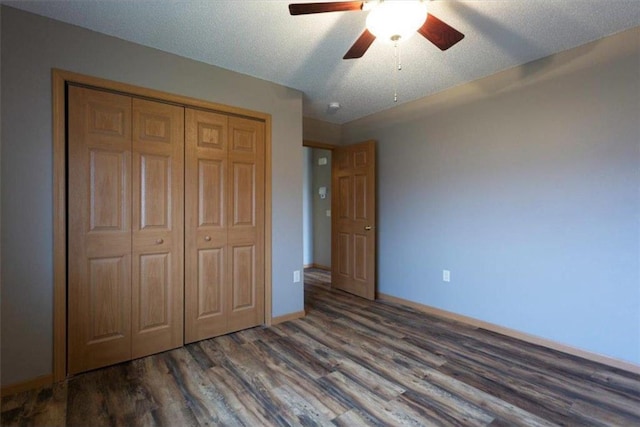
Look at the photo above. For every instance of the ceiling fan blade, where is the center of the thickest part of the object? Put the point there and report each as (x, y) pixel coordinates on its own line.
(437, 32)
(360, 46)
(332, 6)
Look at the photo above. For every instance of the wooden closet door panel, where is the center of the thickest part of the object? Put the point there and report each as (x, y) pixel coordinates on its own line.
(157, 231)
(99, 230)
(206, 252)
(245, 261)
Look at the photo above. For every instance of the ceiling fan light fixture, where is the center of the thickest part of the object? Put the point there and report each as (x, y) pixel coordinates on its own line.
(396, 20)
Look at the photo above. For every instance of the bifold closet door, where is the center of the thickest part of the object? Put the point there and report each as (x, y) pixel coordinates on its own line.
(224, 254)
(157, 283)
(99, 229)
(125, 233)
(245, 232)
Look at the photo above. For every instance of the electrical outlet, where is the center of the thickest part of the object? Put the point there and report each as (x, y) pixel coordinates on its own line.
(446, 276)
(296, 276)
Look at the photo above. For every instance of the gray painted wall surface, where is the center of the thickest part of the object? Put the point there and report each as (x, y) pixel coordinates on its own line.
(307, 206)
(526, 185)
(31, 46)
(321, 222)
(321, 131)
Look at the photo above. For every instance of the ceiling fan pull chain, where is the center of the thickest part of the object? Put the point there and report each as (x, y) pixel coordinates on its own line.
(398, 67)
(395, 72)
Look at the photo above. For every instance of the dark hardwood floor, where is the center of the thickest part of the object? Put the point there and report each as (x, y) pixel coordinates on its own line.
(349, 362)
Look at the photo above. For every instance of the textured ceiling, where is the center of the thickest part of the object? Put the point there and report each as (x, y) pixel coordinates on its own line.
(261, 39)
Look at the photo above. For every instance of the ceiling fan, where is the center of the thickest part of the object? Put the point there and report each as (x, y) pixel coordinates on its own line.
(390, 20)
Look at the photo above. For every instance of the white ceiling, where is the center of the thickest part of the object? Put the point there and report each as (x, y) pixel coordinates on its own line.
(261, 39)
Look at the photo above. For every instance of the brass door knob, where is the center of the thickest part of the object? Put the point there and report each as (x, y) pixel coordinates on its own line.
(368, 227)
(207, 238)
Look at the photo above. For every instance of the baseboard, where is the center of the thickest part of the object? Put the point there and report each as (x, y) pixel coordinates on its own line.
(286, 317)
(318, 266)
(43, 381)
(544, 342)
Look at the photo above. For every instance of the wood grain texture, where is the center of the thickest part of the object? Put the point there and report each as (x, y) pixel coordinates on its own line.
(532, 339)
(349, 362)
(60, 80)
(334, 6)
(99, 229)
(353, 220)
(15, 388)
(287, 317)
(59, 116)
(157, 283)
(439, 33)
(360, 46)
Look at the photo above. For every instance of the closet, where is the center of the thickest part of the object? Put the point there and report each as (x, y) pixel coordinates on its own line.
(165, 236)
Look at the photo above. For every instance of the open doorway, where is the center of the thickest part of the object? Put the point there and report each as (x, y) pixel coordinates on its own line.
(317, 215)
(339, 209)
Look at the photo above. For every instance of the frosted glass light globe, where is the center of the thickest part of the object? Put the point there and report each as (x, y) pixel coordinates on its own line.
(395, 20)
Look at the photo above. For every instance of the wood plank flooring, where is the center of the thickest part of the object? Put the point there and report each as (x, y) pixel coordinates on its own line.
(349, 362)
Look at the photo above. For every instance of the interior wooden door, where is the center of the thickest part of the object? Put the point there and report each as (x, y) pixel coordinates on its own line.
(224, 224)
(353, 206)
(99, 229)
(205, 225)
(157, 286)
(245, 228)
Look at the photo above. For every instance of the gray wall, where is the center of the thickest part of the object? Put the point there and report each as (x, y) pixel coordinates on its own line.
(307, 206)
(321, 222)
(525, 185)
(321, 131)
(31, 46)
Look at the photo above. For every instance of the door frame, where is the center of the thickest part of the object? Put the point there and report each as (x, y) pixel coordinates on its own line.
(332, 148)
(60, 79)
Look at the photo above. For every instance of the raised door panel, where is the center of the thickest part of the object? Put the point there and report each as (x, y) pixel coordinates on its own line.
(107, 190)
(211, 281)
(211, 201)
(206, 198)
(360, 191)
(345, 198)
(99, 229)
(243, 284)
(154, 279)
(245, 231)
(343, 255)
(155, 192)
(243, 184)
(107, 286)
(157, 232)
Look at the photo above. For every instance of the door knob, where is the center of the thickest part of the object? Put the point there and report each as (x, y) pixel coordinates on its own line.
(207, 238)
(160, 241)
(368, 227)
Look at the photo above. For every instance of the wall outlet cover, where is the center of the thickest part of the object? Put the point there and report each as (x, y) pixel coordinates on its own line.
(446, 276)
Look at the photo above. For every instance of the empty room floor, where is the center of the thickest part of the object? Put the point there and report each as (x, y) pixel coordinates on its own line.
(349, 362)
